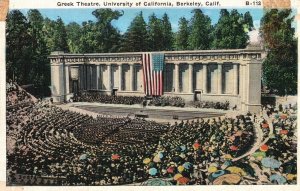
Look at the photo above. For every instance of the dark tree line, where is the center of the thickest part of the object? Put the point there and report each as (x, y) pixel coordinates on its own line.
(31, 38)
(280, 66)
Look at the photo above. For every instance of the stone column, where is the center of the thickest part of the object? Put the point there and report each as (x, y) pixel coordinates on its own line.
(204, 85)
(98, 77)
(177, 77)
(67, 77)
(57, 82)
(242, 86)
(120, 77)
(253, 86)
(85, 77)
(81, 78)
(235, 80)
(109, 76)
(219, 79)
(131, 72)
(191, 78)
(91, 84)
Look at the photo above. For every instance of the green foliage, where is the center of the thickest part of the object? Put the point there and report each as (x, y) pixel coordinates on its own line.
(60, 36)
(26, 49)
(199, 38)
(248, 22)
(74, 33)
(48, 31)
(229, 32)
(88, 39)
(18, 47)
(280, 66)
(107, 37)
(181, 42)
(136, 36)
(40, 71)
(155, 33)
(167, 34)
(31, 39)
(55, 35)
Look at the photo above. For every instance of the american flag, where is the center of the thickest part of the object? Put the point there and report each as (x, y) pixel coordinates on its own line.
(153, 65)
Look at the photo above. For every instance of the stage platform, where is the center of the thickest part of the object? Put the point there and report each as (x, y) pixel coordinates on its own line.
(149, 112)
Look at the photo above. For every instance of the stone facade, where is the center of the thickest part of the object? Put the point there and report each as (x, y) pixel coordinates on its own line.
(213, 75)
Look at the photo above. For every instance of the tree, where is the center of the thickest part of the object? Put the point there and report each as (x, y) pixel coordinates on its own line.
(181, 41)
(48, 31)
(18, 47)
(167, 34)
(74, 33)
(40, 71)
(155, 33)
(60, 36)
(199, 38)
(88, 40)
(136, 38)
(229, 32)
(280, 66)
(248, 22)
(107, 37)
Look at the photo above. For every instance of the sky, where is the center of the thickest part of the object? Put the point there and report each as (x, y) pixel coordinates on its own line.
(81, 15)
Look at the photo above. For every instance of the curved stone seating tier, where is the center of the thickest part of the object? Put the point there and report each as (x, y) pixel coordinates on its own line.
(49, 144)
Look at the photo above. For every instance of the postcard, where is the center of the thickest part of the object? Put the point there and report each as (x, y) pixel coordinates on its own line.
(176, 94)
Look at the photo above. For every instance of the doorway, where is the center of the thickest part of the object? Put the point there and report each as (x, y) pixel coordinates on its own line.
(197, 95)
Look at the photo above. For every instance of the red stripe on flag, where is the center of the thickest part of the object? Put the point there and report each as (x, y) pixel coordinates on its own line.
(154, 81)
(144, 73)
(161, 82)
(157, 82)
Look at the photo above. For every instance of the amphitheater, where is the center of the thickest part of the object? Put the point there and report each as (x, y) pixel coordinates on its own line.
(112, 122)
(214, 75)
(97, 143)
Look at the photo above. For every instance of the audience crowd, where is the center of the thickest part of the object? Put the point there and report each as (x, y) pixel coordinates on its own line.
(51, 146)
(167, 101)
(95, 96)
(210, 104)
(16, 96)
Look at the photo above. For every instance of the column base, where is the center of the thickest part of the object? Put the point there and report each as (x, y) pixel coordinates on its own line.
(253, 108)
(62, 98)
(58, 98)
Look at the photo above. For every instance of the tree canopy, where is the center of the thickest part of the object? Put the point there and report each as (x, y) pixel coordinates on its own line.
(229, 32)
(31, 38)
(199, 38)
(182, 36)
(280, 66)
(136, 37)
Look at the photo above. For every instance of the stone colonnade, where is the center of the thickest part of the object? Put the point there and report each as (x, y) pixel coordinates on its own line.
(213, 78)
(216, 75)
(105, 77)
